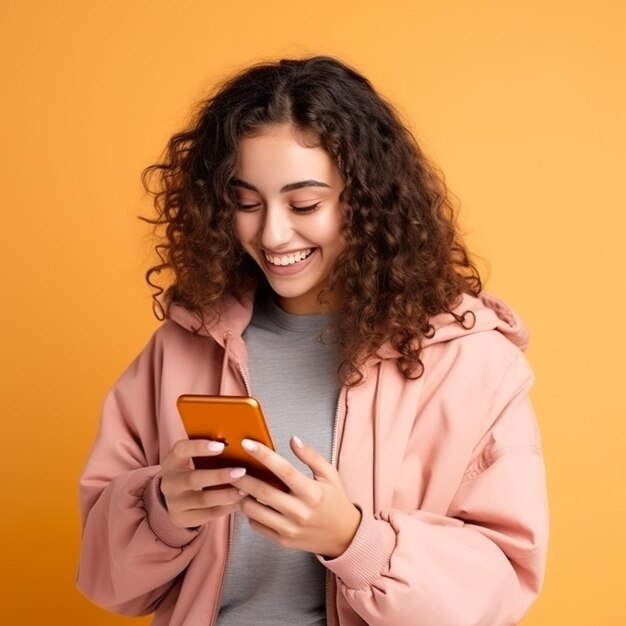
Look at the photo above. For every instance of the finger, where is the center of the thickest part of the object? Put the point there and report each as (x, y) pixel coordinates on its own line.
(196, 480)
(199, 479)
(182, 451)
(198, 517)
(209, 499)
(268, 517)
(276, 498)
(320, 467)
(293, 478)
(268, 533)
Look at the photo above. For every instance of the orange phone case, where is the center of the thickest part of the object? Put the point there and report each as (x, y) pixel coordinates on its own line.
(228, 419)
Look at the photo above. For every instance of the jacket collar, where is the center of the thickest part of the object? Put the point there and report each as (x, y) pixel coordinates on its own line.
(225, 325)
(478, 314)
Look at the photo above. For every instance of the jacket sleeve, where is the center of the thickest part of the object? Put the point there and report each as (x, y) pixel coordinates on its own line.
(130, 551)
(481, 564)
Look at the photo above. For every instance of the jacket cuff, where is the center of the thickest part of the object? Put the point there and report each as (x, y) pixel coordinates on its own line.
(159, 520)
(366, 559)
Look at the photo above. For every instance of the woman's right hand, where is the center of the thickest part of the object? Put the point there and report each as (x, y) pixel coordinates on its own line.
(182, 486)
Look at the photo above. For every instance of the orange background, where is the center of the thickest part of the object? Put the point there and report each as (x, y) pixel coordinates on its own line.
(521, 104)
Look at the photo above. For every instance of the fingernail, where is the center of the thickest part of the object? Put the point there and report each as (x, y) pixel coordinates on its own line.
(297, 441)
(238, 472)
(249, 445)
(216, 446)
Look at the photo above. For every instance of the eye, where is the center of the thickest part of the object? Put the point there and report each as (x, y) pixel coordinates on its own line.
(246, 207)
(305, 209)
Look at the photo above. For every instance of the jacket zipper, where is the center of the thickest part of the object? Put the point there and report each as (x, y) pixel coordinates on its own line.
(231, 523)
(218, 598)
(244, 377)
(333, 462)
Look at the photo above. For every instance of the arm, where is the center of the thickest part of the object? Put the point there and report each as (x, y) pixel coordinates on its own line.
(131, 552)
(483, 563)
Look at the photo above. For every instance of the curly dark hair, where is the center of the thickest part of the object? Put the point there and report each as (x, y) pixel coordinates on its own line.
(403, 260)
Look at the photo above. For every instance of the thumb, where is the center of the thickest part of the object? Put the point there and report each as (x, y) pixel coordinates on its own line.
(320, 467)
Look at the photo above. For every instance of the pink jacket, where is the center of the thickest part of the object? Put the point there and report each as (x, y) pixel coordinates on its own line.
(447, 471)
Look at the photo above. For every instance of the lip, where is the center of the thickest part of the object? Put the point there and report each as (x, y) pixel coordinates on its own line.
(288, 270)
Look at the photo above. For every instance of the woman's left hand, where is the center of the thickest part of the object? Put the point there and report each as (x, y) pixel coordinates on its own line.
(315, 516)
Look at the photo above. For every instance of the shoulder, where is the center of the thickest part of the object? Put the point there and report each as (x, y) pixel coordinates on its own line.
(481, 334)
(172, 333)
(484, 348)
(479, 367)
(169, 346)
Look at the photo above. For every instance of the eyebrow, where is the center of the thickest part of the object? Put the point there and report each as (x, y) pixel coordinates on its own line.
(236, 182)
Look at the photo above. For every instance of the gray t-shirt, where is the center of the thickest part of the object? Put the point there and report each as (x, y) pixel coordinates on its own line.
(293, 376)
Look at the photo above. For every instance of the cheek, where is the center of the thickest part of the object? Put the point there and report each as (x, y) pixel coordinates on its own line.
(244, 227)
(326, 228)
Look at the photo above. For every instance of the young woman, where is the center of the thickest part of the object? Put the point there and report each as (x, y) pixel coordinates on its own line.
(315, 265)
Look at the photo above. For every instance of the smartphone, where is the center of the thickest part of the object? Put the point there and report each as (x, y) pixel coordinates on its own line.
(228, 419)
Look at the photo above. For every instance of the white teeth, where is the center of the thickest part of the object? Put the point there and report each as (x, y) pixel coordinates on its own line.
(289, 259)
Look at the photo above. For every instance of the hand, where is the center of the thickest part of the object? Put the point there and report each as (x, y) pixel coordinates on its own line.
(315, 516)
(182, 486)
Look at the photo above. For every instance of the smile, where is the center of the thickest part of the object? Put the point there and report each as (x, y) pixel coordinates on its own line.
(288, 259)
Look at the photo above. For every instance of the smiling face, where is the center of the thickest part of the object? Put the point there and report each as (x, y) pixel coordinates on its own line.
(289, 214)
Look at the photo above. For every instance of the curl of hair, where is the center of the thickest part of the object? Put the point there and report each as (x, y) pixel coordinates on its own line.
(403, 260)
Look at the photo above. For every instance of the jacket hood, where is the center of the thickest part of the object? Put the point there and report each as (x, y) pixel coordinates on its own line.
(473, 315)
(231, 317)
(478, 314)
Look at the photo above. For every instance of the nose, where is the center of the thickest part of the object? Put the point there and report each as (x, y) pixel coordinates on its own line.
(276, 228)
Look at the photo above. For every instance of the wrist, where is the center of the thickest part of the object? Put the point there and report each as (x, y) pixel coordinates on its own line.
(367, 557)
(352, 520)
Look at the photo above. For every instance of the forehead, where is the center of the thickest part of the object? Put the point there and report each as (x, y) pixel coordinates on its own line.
(281, 155)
